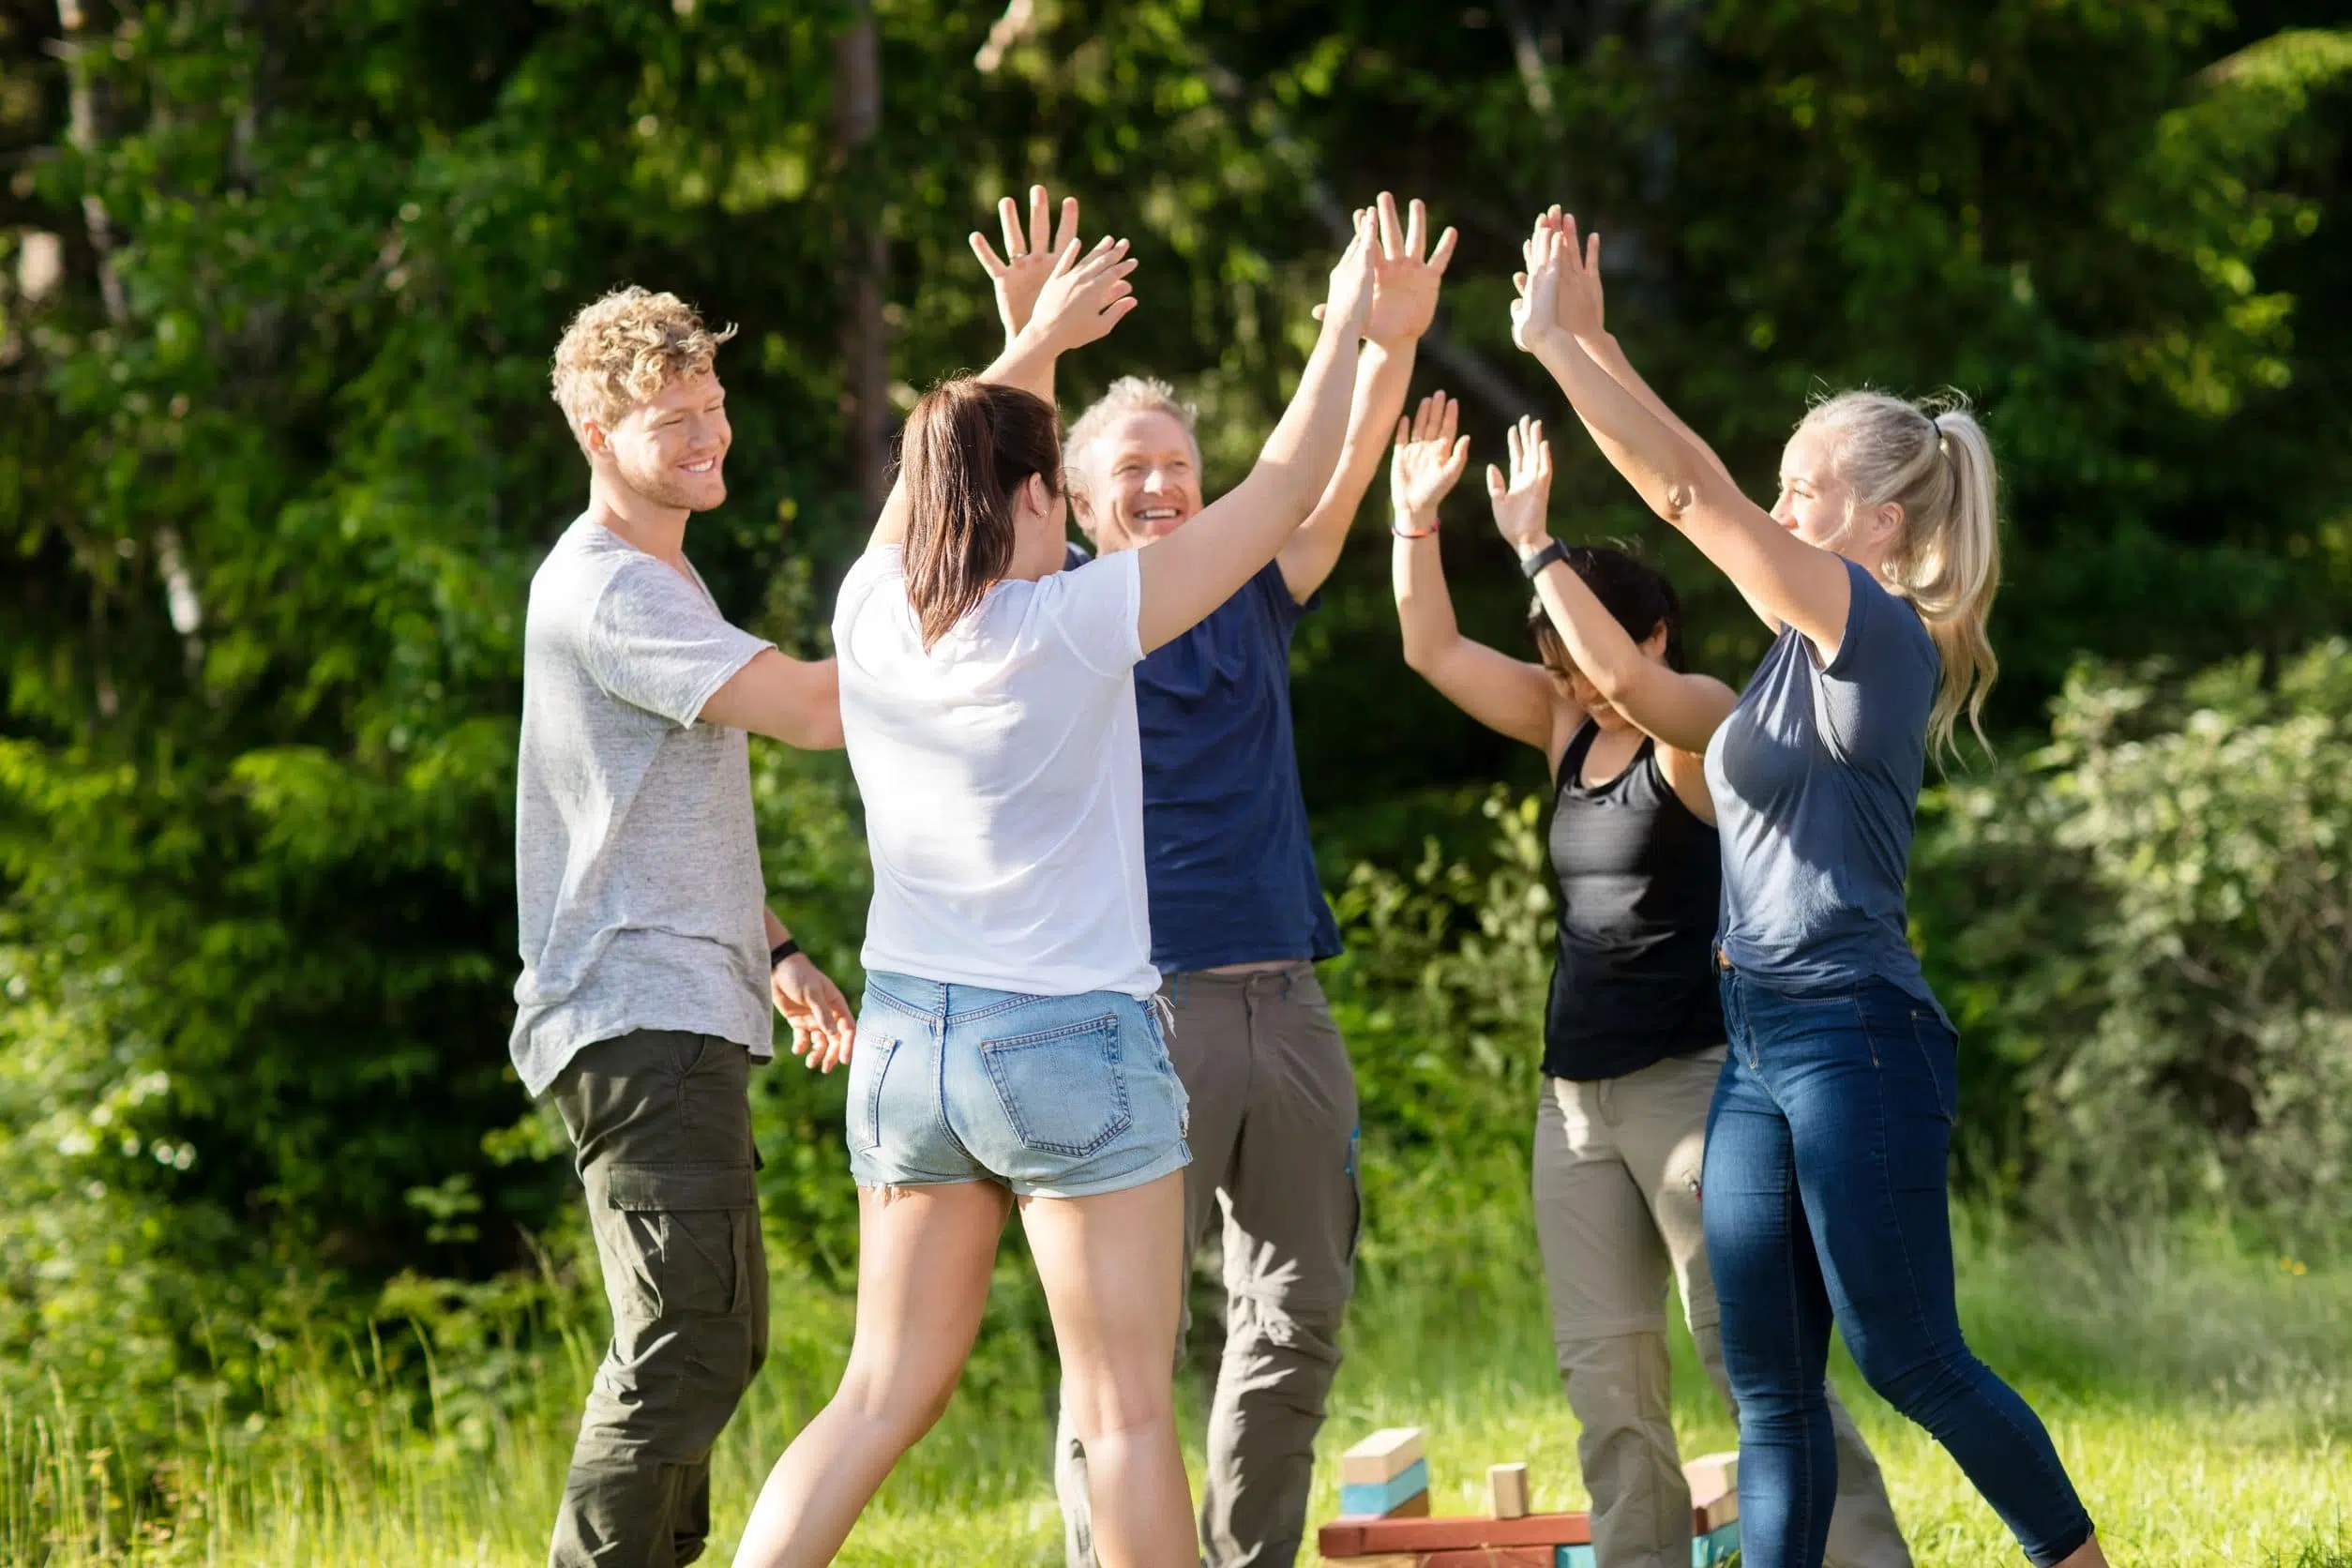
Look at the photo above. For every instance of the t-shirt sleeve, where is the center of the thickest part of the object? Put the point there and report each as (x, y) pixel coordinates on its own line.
(1097, 609)
(657, 643)
(1274, 591)
(1877, 693)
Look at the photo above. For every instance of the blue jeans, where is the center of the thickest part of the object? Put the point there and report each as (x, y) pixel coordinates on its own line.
(1055, 1096)
(1824, 1197)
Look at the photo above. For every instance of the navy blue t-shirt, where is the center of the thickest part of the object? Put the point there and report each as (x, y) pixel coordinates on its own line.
(1227, 861)
(1815, 777)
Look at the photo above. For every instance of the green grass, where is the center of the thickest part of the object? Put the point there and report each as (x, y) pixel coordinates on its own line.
(2200, 1394)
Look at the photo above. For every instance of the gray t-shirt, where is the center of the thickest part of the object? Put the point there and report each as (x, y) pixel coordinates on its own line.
(637, 869)
(1815, 777)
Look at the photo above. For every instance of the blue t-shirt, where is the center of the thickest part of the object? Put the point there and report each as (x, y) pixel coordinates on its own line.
(1227, 861)
(1815, 777)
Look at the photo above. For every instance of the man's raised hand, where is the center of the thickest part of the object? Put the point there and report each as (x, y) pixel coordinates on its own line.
(1083, 297)
(1029, 256)
(1522, 502)
(1426, 463)
(1404, 281)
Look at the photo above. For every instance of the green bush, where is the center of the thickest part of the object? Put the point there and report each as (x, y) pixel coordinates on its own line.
(2147, 927)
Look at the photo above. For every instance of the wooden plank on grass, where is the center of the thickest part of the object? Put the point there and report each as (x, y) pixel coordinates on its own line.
(1364, 1537)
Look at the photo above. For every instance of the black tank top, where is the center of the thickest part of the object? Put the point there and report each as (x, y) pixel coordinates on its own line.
(1641, 879)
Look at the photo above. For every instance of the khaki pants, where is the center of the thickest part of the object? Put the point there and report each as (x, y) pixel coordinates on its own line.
(1272, 1138)
(662, 1125)
(1617, 1167)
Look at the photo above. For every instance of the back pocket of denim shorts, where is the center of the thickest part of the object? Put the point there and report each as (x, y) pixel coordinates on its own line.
(870, 1061)
(1061, 1089)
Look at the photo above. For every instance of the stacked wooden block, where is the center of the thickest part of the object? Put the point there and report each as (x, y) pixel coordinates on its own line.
(1385, 1477)
(1384, 1516)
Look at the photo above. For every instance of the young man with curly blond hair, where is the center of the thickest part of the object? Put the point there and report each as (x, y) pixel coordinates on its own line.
(649, 957)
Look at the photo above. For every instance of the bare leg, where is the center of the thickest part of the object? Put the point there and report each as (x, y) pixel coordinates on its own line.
(1106, 1263)
(924, 1258)
(2088, 1555)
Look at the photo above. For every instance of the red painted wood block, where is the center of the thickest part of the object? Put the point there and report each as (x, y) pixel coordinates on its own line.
(1715, 1513)
(1490, 1557)
(1366, 1537)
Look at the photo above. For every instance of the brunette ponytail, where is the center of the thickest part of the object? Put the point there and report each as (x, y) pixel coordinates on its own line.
(970, 448)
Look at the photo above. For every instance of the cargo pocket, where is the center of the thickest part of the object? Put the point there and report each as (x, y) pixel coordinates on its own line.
(691, 1235)
(1061, 1089)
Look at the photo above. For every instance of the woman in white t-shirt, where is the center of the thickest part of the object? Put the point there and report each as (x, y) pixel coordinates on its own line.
(1007, 1052)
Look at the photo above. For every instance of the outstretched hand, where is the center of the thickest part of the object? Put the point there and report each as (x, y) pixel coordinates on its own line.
(1083, 297)
(1560, 293)
(1019, 275)
(1404, 281)
(1427, 460)
(1522, 502)
(1351, 282)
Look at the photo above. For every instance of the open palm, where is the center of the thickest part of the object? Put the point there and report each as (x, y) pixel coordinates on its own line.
(1428, 459)
(1405, 281)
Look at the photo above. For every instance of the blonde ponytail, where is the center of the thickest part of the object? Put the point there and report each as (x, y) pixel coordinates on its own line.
(1933, 462)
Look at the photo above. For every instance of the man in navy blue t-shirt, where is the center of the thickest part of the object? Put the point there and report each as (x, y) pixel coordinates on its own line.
(1238, 920)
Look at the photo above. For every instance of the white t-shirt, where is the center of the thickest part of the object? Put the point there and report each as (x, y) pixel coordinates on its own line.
(1003, 776)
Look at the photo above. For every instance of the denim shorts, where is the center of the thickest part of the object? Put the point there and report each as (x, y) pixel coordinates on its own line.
(1055, 1096)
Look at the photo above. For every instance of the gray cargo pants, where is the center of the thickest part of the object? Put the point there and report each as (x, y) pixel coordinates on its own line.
(662, 1125)
(1273, 1138)
(1617, 1164)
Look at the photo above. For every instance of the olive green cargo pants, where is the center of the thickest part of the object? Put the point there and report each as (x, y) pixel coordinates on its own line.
(661, 1122)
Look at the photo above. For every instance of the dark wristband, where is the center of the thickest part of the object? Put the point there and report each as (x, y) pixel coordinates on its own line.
(782, 951)
(1533, 566)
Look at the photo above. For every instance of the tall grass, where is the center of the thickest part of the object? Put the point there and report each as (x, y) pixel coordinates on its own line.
(2197, 1388)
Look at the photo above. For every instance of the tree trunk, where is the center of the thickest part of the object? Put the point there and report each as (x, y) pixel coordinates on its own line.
(84, 133)
(865, 251)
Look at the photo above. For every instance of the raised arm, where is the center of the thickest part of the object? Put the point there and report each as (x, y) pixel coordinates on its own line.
(1079, 299)
(1201, 566)
(1675, 708)
(1786, 579)
(1508, 696)
(1404, 302)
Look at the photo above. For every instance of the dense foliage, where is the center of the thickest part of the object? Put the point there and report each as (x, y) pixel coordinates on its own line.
(276, 462)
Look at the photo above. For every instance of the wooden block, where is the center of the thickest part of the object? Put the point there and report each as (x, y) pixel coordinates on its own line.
(1374, 1502)
(1716, 1545)
(1364, 1537)
(1506, 1491)
(1710, 1475)
(1573, 1556)
(1386, 1559)
(1490, 1557)
(1413, 1507)
(1713, 1514)
(1380, 1457)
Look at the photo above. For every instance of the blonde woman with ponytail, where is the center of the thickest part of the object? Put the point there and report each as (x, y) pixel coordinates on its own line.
(1828, 1142)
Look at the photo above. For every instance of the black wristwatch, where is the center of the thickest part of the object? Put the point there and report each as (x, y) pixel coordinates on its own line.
(781, 952)
(1533, 566)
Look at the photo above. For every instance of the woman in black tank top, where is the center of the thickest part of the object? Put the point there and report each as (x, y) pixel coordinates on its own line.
(1633, 1030)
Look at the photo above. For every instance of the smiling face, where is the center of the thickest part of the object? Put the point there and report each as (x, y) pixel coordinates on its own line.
(1141, 480)
(1819, 505)
(672, 449)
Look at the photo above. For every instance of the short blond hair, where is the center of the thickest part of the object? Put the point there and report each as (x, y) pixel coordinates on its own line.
(620, 352)
(1131, 395)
